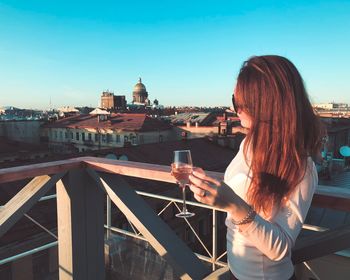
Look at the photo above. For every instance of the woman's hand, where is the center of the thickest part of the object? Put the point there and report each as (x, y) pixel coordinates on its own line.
(210, 191)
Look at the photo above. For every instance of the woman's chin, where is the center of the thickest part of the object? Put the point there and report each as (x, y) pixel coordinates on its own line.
(245, 125)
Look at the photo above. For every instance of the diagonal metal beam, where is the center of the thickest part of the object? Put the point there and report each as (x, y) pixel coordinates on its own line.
(24, 200)
(162, 238)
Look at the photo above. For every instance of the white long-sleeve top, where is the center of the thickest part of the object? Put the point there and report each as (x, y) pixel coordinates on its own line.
(263, 249)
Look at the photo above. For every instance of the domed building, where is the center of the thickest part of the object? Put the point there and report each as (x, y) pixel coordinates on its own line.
(140, 94)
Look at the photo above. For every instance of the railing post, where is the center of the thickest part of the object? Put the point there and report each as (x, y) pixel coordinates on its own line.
(215, 239)
(109, 217)
(80, 227)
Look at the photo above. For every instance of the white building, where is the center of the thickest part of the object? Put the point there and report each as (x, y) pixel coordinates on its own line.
(93, 132)
(331, 106)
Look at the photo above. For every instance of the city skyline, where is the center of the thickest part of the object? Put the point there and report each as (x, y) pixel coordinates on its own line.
(186, 53)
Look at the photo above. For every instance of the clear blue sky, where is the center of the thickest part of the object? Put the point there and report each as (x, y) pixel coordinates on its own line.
(187, 52)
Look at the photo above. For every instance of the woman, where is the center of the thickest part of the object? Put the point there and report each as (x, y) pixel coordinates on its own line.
(268, 187)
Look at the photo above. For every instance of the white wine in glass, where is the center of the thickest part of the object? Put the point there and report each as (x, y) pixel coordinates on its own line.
(181, 169)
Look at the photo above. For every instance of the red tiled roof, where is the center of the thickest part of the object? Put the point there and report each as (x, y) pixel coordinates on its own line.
(126, 122)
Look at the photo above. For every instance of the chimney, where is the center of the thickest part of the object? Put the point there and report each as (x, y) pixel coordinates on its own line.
(102, 118)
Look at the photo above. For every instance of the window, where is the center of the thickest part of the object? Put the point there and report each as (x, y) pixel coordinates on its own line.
(77, 136)
(141, 139)
(160, 138)
(134, 140)
(55, 134)
(104, 138)
(83, 136)
(66, 135)
(109, 138)
(117, 138)
(89, 136)
(97, 137)
(61, 135)
(126, 138)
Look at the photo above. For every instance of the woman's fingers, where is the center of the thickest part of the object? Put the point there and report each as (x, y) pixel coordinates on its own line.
(204, 188)
(205, 177)
(198, 169)
(199, 183)
(202, 199)
(197, 191)
(200, 195)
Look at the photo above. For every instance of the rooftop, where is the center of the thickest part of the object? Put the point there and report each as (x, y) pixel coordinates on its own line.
(124, 122)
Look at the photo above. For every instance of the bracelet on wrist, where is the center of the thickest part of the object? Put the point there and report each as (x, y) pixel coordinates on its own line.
(247, 219)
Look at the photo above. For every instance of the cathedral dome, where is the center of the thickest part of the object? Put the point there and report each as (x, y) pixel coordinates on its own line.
(140, 87)
(140, 94)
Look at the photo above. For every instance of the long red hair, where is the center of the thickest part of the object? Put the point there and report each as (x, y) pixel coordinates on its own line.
(284, 129)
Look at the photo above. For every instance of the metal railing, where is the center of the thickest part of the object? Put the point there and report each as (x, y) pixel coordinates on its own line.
(139, 170)
(211, 257)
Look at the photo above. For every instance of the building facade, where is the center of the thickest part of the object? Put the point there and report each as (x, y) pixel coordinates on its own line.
(92, 132)
(331, 106)
(112, 102)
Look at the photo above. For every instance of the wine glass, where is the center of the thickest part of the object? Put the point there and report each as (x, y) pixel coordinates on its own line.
(181, 169)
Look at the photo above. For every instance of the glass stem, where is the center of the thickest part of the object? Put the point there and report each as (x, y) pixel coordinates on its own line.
(184, 208)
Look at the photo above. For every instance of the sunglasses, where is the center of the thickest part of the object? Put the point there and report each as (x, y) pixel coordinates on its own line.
(235, 107)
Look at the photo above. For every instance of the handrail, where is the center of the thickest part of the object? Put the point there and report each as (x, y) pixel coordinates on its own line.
(325, 196)
(127, 168)
(33, 170)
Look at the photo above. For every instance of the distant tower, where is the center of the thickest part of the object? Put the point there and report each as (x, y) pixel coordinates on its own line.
(110, 101)
(140, 94)
(107, 100)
